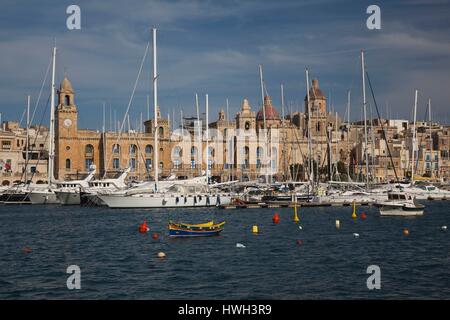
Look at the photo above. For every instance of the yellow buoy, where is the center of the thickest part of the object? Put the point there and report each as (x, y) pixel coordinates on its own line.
(296, 219)
(338, 224)
(354, 210)
(255, 229)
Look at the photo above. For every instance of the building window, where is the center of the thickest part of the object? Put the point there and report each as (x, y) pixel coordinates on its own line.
(89, 150)
(148, 163)
(133, 164)
(67, 163)
(193, 151)
(192, 164)
(258, 163)
(176, 164)
(161, 132)
(148, 149)
(247, 125)
(161, 165)
(116, 163)
(6, 145)
(133, 149)
(116, 149)
(67, 100)
(88, 163)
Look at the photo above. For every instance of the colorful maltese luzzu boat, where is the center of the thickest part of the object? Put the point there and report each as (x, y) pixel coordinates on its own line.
(178, 229)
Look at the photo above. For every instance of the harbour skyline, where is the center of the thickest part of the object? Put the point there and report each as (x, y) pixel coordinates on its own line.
(214, 48)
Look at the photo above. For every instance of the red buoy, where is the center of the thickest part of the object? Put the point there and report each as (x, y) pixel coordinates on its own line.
(276, 218)
(143, 228)
(155, 236)
(27, 250)
(299, 242)
(363, 216)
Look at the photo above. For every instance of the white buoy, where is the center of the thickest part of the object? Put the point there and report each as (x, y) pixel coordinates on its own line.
(356, 235)
(338, 224)
(161, 255)
(300, 227)
(239, 245)
(444, 228)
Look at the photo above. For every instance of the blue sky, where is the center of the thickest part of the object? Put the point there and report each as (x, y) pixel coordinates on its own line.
(215, 47)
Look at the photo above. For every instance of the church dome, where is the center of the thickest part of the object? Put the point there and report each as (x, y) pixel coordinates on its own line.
(270, 111)
(66, 86)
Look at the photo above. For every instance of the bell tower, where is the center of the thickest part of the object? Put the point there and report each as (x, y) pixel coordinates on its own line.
(67, 114)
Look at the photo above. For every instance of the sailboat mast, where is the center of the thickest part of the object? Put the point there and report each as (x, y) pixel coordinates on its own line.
(414, 137)
(363, 74)
(311, 174)
(264, 117)
(51, 148)
(431, 138)
(199, 133)
(155, 106)
(207, 140)
(27, 145)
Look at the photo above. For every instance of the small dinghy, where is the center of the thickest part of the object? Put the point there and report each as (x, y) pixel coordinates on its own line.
(179, 229)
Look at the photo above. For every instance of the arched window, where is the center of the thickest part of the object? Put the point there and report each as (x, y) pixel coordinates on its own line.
(259, 152)
(67, 100)
(193, 151)
(133, 149)
(116, 149)
(67, 163)
(177, 152)
(161, 131)
(89, 150)
(148, 149)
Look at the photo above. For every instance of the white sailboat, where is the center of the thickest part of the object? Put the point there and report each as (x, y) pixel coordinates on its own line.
(175, 194)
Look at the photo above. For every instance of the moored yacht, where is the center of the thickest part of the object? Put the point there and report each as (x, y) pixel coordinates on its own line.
(400, 204)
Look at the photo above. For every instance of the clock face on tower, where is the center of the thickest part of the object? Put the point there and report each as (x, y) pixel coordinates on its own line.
(67, 123)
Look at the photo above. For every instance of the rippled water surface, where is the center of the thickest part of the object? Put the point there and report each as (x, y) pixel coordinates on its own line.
(117, 262)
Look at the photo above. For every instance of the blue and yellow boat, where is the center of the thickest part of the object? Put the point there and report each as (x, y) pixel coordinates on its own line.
(207, 229)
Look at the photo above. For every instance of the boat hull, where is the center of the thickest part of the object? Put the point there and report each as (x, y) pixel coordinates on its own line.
(186, 233)
(43, 198)
(68, 197)
(400, 211)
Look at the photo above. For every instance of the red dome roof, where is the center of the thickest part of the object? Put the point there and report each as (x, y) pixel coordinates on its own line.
(271, 112)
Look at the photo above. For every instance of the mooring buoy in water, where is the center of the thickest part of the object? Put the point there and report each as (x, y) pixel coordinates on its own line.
(299, 242)
(155, 236)
(296, 219)
(161, 255)
(363, 216)
(239, 245)
(356, 235)
(405, 232)
(255, 229)
(276, 218)
(143, 228)
(444, 228)
(338, 224)
(300, 227)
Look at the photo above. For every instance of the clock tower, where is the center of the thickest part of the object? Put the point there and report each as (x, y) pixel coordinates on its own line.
(66, 114)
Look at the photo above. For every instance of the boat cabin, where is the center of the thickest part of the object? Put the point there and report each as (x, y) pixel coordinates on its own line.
(399, 196)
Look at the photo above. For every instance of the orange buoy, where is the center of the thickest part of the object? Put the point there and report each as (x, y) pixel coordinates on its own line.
(155, 236)
(276, 218)
(405, 232)
(143, 228)
(363, 216)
